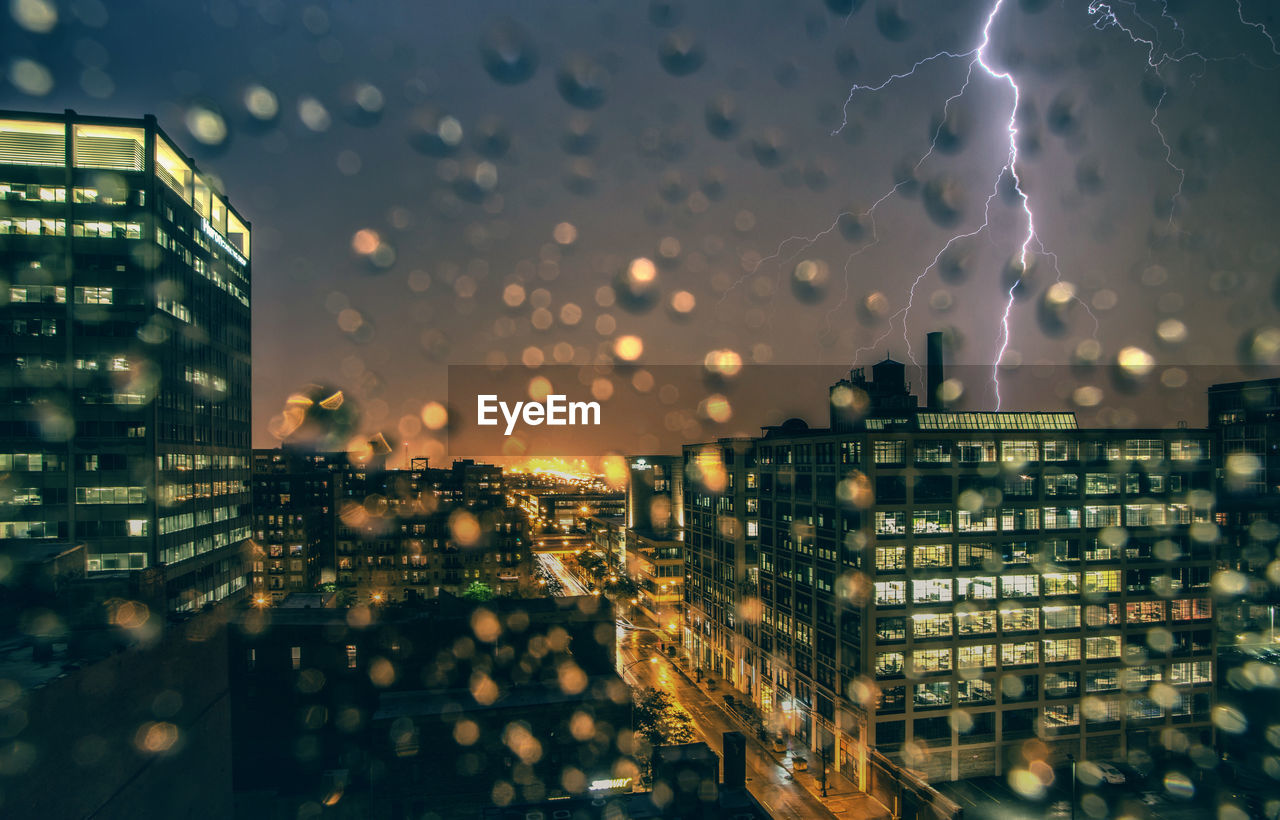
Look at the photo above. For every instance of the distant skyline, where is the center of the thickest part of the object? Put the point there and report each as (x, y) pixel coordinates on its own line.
(470, 183)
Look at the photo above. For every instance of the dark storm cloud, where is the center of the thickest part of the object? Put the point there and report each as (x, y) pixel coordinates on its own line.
(542, 147)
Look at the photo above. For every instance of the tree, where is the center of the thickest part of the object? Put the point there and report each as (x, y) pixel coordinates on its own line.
(660, 720)
(344, 598)
(625, 586)
(479, 592)
(591, 562)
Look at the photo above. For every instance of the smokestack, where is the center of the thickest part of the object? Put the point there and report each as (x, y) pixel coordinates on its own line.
(933, 372)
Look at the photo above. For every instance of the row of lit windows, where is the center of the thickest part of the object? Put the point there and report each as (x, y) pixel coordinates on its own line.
(111, 495)
(986, 451)
(200, 461)
(983, 587)
(31, 462)
(1014, 519)
(109, 562)
(201, 378)
(93, 229)
(57, 295)
(169, 494)
(118, 148)
(183, 521)
(889, 558)
(1018, 653)
(28, 192)
(28, 529)
(113, 364)
(939, 693)
(996, 421)
(893, 557)
(1029, 619)
(190, 549)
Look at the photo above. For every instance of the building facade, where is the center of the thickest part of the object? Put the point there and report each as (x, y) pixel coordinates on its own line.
(656, 565)
(295, 504)
(126, 334)
(655, 537)
(569, 508)
(947, 586)
(655, 495)
(420, 532)
(422, 555)
(1246, 417)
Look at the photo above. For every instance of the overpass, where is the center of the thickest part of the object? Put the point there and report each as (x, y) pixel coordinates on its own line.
(562, 543)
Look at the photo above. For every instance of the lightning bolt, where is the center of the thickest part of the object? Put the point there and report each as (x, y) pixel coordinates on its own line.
(978, 59)
(1012, 167)
(1105, 17)
(1157, 58)
(1259, 26)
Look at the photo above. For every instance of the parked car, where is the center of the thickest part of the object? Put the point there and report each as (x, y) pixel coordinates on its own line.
(1109, 773)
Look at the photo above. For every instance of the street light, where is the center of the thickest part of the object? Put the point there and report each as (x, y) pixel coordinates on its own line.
(623, 671)
(638, 662)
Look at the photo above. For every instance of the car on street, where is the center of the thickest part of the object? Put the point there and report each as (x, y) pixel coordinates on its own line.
(1109, 773)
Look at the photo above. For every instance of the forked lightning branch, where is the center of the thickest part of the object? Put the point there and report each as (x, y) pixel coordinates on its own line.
(554, 411)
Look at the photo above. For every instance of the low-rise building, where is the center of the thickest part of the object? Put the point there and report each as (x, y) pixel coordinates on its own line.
(568, 508)
(444, 706)
(295, 503)
(656, 565)
(407, 554)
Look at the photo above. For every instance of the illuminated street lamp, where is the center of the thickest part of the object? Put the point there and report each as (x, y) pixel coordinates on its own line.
(637, 663)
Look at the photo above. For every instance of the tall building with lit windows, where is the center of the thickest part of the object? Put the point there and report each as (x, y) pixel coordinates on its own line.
(964, 592)
(125, 322)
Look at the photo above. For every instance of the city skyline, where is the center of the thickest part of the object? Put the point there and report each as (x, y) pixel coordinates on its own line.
(670, 409)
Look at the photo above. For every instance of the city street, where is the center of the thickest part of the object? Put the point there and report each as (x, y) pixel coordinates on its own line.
(570, 584)
(767, 780)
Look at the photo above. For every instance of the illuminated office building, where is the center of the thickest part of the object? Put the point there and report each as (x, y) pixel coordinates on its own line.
(966, 592)
(654, 552)
(125, 317)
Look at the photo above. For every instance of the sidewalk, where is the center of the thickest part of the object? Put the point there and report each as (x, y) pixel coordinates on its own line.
(843, 798)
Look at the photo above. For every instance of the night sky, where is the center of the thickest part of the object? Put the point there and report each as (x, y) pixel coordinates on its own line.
(460, 183)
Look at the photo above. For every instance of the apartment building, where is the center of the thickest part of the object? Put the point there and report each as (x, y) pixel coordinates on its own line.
(948, 586)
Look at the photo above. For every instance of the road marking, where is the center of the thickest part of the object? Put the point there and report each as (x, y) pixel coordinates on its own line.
(984, 791)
